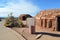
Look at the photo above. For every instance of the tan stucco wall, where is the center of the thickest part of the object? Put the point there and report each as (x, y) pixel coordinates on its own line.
(49, 15)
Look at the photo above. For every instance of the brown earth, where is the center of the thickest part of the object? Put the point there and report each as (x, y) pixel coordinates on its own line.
(28, 36)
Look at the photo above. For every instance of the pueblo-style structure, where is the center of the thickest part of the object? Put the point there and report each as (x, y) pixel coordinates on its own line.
(47, 20)
(23, 17)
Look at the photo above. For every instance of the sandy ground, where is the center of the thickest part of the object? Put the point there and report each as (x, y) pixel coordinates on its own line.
(45, 36)
(8, 34)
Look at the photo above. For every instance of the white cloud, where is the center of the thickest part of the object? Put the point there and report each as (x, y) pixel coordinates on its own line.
(22, 7)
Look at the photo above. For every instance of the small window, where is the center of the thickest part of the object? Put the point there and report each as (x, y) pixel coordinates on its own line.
(23, 18)
(45, 22)
(41, 22)
(50, 23)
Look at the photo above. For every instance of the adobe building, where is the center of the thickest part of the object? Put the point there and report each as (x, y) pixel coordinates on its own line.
(23, 18)
(47, 20)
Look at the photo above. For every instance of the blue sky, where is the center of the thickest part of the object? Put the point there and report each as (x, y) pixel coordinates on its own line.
(31, 7)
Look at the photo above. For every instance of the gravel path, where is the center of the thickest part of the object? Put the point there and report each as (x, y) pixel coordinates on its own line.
(8, 34)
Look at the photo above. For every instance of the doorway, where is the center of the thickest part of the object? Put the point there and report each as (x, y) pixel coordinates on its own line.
(58, 23)
(23, 18)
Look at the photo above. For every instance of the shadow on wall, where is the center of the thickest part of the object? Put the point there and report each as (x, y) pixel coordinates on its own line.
(50, 34)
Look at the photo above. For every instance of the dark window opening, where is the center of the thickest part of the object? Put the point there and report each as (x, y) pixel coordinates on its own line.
(58, 23)
(23, 18)
(41, 22)
(45, 22)
(50, 23)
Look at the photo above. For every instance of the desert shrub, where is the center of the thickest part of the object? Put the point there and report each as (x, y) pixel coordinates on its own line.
(10, 21)
(20, 23)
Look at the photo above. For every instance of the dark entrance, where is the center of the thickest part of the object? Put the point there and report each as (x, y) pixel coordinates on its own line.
(23, 18)
(58, 23)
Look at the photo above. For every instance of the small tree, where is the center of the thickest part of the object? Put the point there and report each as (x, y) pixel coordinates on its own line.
(10, 21)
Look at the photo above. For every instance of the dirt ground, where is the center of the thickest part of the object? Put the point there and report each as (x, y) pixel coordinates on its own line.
(43, 36)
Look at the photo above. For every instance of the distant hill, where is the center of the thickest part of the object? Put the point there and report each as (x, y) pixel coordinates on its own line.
(5, 17)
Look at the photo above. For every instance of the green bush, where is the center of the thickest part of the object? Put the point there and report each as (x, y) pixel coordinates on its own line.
(20, 23)
(10, 21)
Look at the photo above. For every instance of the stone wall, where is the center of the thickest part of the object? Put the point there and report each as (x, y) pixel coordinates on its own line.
(47, 20)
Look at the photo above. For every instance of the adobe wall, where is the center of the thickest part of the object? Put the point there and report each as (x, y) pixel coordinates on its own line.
(48, 15)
